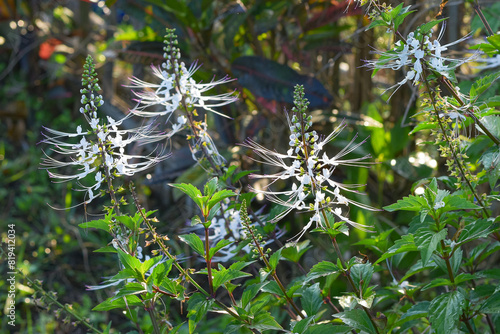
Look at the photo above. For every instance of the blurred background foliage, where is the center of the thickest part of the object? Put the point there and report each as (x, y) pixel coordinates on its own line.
(269, 46)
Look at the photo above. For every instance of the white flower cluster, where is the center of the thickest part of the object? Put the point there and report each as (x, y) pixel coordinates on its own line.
(416, 52)
(310, 169)
(177, 85)
(98, 150)
(178, 91)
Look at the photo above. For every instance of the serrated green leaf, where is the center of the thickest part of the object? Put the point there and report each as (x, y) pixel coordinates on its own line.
(403, 245)
(129, 261)
(361, 274)
(128, 221)
(221, 244)
(106, 249)
(376, 23)
(410, 203)
(425, 28)
(100, 224)
(273, 287)
(294, 251)
(456, 202)
(437, 282)
(492, 304)
(130, 289)
(194, 242)
(482, 84)
(328, 329)
(416, 268)
(274, 259)
(311, 299)
(321, 269)
(357, 319)
(196, 220)
(112, 303)
(210, 187)
(226, 275)
(301, 325)
(491, 164)
(417, 311)
(480, 228)
(146, 265)
(427, 242)
(219, 196)
(250, 292)
(265, 321)
(160, 272)
(198, 306)
(193, 192)
(445, 310)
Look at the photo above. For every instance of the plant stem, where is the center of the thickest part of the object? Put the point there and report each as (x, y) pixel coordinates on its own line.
(184, 272)
(455, 157)
(268, 265)
(479, 12)
(209, 263)
(152, 314)
(64, 307)
(346, 272)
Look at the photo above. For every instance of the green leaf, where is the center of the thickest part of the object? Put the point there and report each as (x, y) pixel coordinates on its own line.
(400, 18)
(301, 325)
(106, 249)
(274, 259)
(112, 303)
(403, 245)
(361, 274)
(491, 163)
(458, 203)
(357, 319)
(425, 28)
(196, 220)
(225, 275)
(294, 251)
(146, 265)
(250, 292)
(265, 321)
(376, 23)
(492, 304)
(219, 196)
(129, 261)
(321, 269)
(198, 306)
(194, 242)
(130, 289)
(311, 299)
(417, 311)
(480, 228)
(328, 329)
(160, 272)
(193, 192)
(427, 242)
(221, 244)
(445, 310)
(416, 268)
(410, 203)
(129, 222)
(482, 84)
(100, 224)
(437, 282)
(210, 187)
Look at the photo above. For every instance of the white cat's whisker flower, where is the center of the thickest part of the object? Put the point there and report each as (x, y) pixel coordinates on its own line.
(310, 170)
(99, 149)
